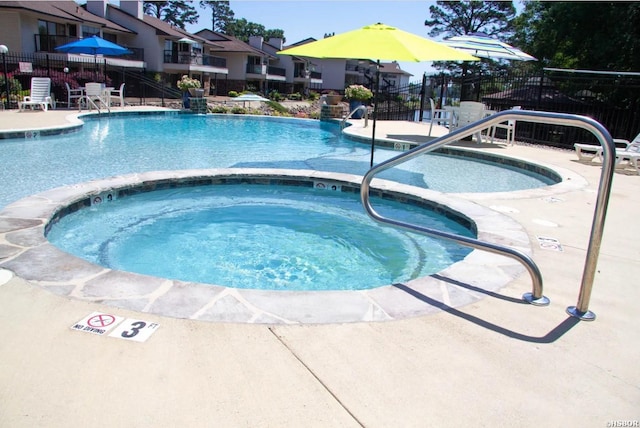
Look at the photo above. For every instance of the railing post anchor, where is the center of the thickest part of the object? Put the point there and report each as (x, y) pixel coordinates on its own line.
(540, 301)
(584, 316)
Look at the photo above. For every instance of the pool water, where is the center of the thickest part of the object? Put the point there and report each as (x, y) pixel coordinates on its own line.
(259, 237)
(121, 145)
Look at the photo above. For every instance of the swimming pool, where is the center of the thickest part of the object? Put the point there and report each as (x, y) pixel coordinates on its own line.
(109, 146)
(266, 237)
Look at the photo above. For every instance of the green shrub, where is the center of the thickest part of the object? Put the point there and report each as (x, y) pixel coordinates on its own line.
(277, 106)
(295, 96)
(219, 109)
(232, 94)
(238, 110)
(15, 88)
(275, 96)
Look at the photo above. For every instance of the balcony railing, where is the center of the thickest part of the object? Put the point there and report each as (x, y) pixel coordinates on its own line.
(171, 57)
(136, 55)
(46, 43)
(276, 71)
(214, 61)
(256, 69)
(312, 75)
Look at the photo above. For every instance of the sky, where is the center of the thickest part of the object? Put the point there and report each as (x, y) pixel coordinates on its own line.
(301, 19)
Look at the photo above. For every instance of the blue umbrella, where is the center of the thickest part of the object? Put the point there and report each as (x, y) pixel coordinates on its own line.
(94, 46)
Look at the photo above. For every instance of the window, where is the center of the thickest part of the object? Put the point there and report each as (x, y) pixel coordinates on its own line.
(51, 28)
(110, 37)
(89, 31)
(51, 34)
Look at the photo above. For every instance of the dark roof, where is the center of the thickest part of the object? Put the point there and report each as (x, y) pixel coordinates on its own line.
(532, 94)
(392, 68)
(300, 43)
(165, 29)
(228, 43)
(67, 10)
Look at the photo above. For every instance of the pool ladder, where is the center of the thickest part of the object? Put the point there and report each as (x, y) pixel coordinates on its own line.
(90, 102)
(581, 310)
(343, 123)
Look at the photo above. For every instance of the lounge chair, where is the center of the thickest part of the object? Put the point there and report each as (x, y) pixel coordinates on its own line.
(40, 94)
(588, 152)
(628, 156)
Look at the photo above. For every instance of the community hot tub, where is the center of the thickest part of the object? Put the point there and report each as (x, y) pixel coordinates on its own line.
(33, 257)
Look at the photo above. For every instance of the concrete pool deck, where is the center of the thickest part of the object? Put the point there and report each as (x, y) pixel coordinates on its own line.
(495, 362)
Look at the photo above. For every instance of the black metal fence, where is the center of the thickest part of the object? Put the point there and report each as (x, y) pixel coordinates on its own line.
(19, 68)
(611, 99)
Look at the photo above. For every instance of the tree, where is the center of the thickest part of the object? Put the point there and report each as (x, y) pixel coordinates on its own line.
(243, 30)
(275, 33)
(456, 18)
(221, 14)
(582, 35)
(175, 12)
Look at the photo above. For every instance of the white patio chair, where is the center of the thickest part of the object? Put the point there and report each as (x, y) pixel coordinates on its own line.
(40, 94)
(439, 116)
(94, 95)
(73, 94)
(509, 126)
(470, 112)
(117, 94)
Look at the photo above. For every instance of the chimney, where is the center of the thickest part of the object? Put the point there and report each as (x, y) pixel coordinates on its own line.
(98, 7)
(132, 7)
(276, 42)
(255, 42)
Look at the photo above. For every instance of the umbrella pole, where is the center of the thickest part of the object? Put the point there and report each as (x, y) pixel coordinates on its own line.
(376, 90)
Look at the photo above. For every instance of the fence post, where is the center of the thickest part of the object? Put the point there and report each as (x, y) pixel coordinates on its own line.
(423, 92)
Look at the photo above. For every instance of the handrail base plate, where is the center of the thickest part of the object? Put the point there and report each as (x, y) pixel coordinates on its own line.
(541, 301)
(584, 316)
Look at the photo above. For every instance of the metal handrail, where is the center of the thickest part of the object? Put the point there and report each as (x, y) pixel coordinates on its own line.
(366, 116)
(92, 103)
(581, 310)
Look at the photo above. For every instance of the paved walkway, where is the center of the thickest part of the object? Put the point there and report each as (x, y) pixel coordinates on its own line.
(496, 362)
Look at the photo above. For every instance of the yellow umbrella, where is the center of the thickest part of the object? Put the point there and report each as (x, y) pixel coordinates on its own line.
(379, 42)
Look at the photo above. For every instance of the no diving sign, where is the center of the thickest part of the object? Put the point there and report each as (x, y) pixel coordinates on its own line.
(101, 323)
(97, 323)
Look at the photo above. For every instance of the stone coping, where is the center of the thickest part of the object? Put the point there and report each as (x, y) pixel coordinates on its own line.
(25, 251)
